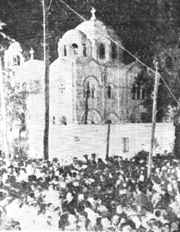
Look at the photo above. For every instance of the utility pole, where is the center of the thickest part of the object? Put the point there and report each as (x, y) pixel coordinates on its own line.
(177, 133)
(46, 79)
(154, 111)
(87, 93)
(108, 139)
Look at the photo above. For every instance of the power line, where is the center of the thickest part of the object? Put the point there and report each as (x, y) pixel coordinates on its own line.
(49, 7)
(71, 9)
(126, 50)
(170, 91)
(6, 37)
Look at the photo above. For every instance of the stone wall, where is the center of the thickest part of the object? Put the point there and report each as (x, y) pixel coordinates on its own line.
(76, 140)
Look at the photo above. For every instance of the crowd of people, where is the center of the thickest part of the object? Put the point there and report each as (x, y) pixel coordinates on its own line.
(90, 194)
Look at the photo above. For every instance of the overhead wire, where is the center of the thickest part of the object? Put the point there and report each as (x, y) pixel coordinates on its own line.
(49, 7)
(170, 91)
(126, 50)
(6, 37)
(74, 11)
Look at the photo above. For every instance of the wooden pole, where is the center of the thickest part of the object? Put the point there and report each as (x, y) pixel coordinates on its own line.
(46, 79)
(108, 139)
(87, 93)
(154, 111)
(177, 136)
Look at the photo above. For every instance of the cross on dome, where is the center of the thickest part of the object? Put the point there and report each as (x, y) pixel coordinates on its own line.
(31, 53)
(93, 11)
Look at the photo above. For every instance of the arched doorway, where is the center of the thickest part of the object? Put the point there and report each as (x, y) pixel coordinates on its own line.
(93, 117)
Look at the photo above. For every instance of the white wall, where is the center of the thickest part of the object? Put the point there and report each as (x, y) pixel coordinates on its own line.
(76, 140)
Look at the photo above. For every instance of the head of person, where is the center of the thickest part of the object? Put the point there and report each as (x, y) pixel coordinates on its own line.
(126, 227)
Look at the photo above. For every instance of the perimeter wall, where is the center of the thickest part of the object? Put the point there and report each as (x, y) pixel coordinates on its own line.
(76, 140)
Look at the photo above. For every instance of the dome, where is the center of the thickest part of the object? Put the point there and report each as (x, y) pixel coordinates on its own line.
(31, 70)
(13, 56)
(73, 35)
(15, 47)
(91, 38)
(74, 43)
(95, 29)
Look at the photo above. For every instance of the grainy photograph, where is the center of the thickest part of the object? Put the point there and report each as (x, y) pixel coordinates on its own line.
(90, 115)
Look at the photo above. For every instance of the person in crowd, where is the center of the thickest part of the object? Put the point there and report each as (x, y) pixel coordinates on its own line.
(92, 194)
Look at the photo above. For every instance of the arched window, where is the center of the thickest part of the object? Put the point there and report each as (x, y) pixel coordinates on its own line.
(16, 60)
(84, 50)
(65, 50)
(113, 51)
(138, 92)
(109, 92)
(101, 51)
(90, 90)
(134, 92)
(75, 48)
(143, 93)
(87, 90)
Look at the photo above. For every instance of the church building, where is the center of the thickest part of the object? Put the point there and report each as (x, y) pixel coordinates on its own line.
(89, 83)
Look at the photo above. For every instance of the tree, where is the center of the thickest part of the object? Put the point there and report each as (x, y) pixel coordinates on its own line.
(170, 73)
(3, 40)
(166, 47)
(15, 113)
